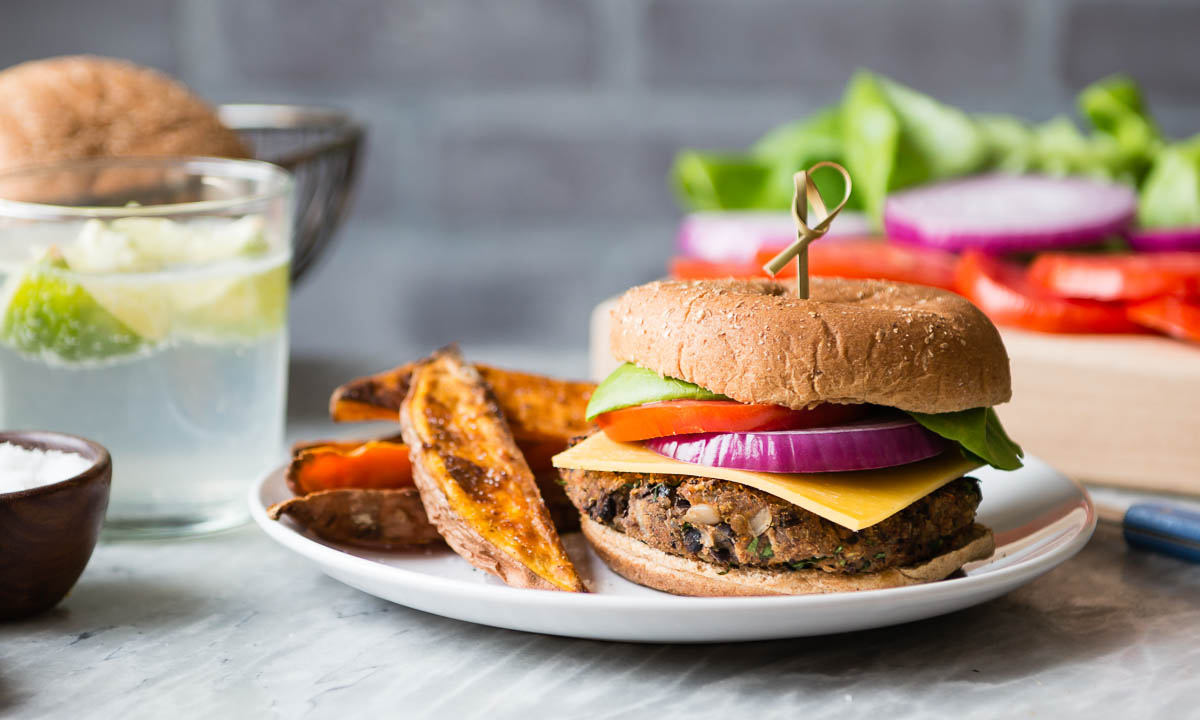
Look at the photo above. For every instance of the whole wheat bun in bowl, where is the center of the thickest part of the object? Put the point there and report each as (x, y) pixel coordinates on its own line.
(79, 107)
(881, 354)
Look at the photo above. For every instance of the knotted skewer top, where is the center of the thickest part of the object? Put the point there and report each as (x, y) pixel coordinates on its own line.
(806, 194)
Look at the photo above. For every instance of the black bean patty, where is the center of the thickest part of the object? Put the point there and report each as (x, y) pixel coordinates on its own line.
(728, 524)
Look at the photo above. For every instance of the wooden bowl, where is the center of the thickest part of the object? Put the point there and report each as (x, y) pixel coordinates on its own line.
(47, 533)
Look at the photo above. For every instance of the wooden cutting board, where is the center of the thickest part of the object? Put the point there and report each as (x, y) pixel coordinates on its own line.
(1110, 409)
(1120, 410)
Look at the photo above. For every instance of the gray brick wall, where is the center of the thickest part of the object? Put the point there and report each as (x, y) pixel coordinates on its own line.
(810, 47)
(413, 45)
(1155, 42)
(518, 148)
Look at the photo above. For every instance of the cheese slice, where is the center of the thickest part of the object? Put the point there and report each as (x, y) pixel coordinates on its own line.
(856, 499)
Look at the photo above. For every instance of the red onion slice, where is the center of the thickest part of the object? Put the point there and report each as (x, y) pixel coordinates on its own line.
(860, 446)
(1166, 239)
(1009, 213)
(737, 236)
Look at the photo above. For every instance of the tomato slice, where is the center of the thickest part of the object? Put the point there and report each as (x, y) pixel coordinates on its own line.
(686, 268)
(1175, 316)
(874, 260)
(684, 417)
(1002, 290)
(1128, 276)
(861, 258)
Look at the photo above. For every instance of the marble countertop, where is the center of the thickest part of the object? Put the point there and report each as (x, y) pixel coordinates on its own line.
(234, 626)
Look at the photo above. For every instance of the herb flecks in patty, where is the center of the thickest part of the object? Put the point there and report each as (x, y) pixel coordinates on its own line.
(652, 509)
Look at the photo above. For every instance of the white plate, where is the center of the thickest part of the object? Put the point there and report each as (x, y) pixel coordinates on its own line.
(1040, 518)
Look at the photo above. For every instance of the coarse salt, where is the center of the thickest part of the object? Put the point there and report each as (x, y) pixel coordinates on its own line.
(22, 468)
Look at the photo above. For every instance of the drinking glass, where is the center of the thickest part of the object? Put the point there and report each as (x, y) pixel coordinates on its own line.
(143, 304)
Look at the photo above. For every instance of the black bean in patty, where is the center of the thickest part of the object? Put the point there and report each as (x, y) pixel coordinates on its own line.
(716, 521)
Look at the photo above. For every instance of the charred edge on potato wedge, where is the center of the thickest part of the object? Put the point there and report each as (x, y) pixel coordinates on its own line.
(375, 397)
(475, 484)
(343, 445)
(536, 407)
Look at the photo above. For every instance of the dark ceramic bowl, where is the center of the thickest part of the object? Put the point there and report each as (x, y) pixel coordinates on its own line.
(47, 533)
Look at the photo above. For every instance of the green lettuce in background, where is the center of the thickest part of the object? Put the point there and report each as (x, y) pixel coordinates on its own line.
(896, 137)
(1170, 196)
(761, 179)
(1115, 109)
(891, 137)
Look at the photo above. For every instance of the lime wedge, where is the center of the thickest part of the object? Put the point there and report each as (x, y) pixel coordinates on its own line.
(245, 306)
(143, 308)
(48, 314)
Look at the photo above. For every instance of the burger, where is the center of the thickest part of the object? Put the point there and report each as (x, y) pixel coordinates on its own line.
(757, 443)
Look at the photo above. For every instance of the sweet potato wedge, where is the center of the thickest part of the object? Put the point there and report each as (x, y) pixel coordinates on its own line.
(345, 445)
(374, 397)
(345, 520)
(383, 463)
(380, 519)
(539, 407)
(375, 464)
(536, 407)
(476, 486)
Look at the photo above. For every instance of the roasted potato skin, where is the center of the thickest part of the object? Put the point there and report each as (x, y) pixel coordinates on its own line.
(349, 492)
(475, 484)
(373, 397)
(384, 463)
(537, 408)
(377, 519)
(373, 518)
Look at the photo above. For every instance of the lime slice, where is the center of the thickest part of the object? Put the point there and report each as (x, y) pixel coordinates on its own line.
(245, 306)
(144, 245)
(101, 296)
(47, 314)
(143, 308)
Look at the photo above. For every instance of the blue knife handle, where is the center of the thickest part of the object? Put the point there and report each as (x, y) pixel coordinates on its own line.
(1164, 529)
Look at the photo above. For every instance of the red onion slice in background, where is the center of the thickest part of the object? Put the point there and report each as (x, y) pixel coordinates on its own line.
(859, 446)
(1165, 239)
(736, 236)
(1009, 213)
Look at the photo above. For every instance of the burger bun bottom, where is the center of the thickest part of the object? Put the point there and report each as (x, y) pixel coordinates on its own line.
(638, 562)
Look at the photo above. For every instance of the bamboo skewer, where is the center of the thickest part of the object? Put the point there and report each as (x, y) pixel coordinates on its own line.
(807, 194)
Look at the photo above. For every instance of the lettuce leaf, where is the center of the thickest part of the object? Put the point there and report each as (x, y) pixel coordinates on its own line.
(1061, 149)
(1010, 141)
(761, 179)
(1115, 108)
(896, 137)
(631, 385)
(979, 432)
(720, 181)
(800, 145)
(890, 137)
(1170, 197)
